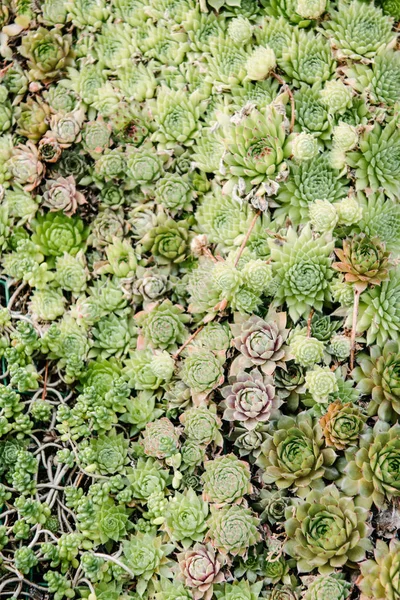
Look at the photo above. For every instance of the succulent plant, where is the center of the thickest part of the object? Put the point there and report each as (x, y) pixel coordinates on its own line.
(250, 400)
(47, 52)
(377, 375)
(232, 529)
(304, 264)
(226, 480)
(377, 160)
(308, 59)
(293, 454)
(363, 261)
(200, 569)
(309, 182)
(372, 469)
(327, 531)
(328, 586)
(351, 31)
(342, 425)
(379, 575)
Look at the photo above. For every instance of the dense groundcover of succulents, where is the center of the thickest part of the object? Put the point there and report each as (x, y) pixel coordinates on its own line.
(200, 299)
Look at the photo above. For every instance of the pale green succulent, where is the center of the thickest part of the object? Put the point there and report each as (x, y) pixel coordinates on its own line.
(226, 63)
(113, 336)
(379, 314)
(323, 216)
(378, 159)
(327, 531)
(239, 590)
(164, 325)
(47, 304)
(294, 454)
(71, 272)
(232, 529)
(350, 212)
(88, 12)
(307, 351)
(201, 28)
(113, 44)
(47, 52)
(110, 453)
(380, 217)
(308, 182)
(202, 371)
(257, 146)
(303, 268)
(260, 63)
(359, 30)
(186, 518)
(379, 576)
(166, 46)
(371, 471)
(321, 383)
(226, 480)
(308, 59)
(201, 425)
(311, 113)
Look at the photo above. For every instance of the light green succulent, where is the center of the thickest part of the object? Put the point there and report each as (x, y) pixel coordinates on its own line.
(358, 30)
(164, 325)
(378, 159)
(166, 46)
(226, 63)
(90, 13)
(110, 453)
(323, 216)
(307, 351)
(145, 554)
(303, 268)
(47, 304)
(294, 454)
(308, 182)
(311, 113)
(380, 218)
(47, 52)
(232, 529)
(308, 59)
(327, 531)
(239, 590)
(321, 383)
(379, 576)
(382, 79)
(379, 314)
(201, 425)
(257, 146)
(226, 480)
(112, 336)
(260, 63)
(185, 519)
(147, 478)
(202, 371)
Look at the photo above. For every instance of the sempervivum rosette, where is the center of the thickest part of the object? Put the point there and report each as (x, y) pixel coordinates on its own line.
(251, 399)
(294, 454)
(260, 342)
(226, 480)
(372, 470)
(379, 578)
(201, 568)
(327, 531)
(232, 529)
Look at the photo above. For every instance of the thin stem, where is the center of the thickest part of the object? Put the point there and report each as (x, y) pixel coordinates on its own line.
(16, 294)
(246, 238)
(46, 374)
(357, 294)
(310, 316)
(190, 339)
(290, 93)
(116, 561)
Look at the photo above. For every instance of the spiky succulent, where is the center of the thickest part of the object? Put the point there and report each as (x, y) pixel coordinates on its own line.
(308, 59)
(342, 425)
(377, 161)
(359, 31)
(303, 263)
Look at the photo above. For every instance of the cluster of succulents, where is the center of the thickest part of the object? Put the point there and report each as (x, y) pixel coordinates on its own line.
(200, 299)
